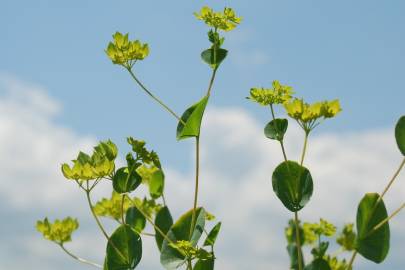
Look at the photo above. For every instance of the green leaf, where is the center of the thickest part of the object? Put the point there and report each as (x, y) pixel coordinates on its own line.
(318, 264)
(126, 181)
(214, 57)
(372, 244)
(135, 219)
(212, 236)
(400, 134)
(171, 258)
(163, 221)
(204, 264)
(293, 253)
(293, 185)
(276, 129)
(192, 119)
(157, 184)
(124, 250)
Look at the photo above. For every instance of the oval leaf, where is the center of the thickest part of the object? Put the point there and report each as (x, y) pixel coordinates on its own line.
(157, 184)
(276, 129)
(293, 185)
(204, 264)
(400, 134)
(372, 244)
(124, 250)
(135, 219)
(125, 181)
(163, 221)
(212, 236)
(171, 258)
(214, 57)
(318, 264)
(192, 118)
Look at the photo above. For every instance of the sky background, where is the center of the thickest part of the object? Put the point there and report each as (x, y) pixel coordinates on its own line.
(59, 94)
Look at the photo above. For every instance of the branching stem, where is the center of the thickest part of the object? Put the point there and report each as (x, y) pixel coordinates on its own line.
(78, 258)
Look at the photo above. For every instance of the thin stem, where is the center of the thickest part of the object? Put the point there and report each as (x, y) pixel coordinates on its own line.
(352, 260)
(389, 218)
(164, 200)
(197, 172)
(148, 234)
(392, 179)
(304, 148)
(154, 97)
(297, 236)
(214, 72)
(122, 209)
(78, 258)
(189, 265)
(281, 142)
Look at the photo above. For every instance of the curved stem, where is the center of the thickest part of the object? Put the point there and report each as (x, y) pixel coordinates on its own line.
(392, 179)
(78, 258)
(304, 148)
(297, 236)
(154, 97)
(197, 172)
(214, 72)
(349, 267)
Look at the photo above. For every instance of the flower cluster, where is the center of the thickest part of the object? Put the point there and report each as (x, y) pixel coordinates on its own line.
(189, 251)
(225, 20)
(278, 94)
(313, 231)
(125, 52)
(347, 238)
(100, 164)
(60, 231)
(112, 207)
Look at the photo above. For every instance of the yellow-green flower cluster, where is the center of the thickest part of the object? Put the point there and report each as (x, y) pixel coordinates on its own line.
(146, 172)
(60, 231)
(99, 165)
(189, 251)
(347, 238)
(336, 264)
(225, 20)
(313, 230)
(278, 94)
(148, 206)
(112, 207)
(304, 112)
(123, 51)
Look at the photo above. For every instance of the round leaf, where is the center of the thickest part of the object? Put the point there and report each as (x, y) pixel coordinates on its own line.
(372, 244)
(214, 57)
(157, 184)
(192, 118)
(276, 129)
(293, 185)
(400, 134)
(204, 264)
(171, 258)
(124, 250)
(135, 219)
(125, 181)
(318, 264)
(163, 221)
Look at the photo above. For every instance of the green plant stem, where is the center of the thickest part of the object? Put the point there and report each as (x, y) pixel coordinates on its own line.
(197, 172)
(392, 179)
(304, 150)
(189, 265)
(214, 72)
(78, 258)
(389, 218)
(281, 142)
(154, 97)
(122, 208)
(352, 260)
(297, 236)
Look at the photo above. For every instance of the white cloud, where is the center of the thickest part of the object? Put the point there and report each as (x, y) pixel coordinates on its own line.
(236, 166)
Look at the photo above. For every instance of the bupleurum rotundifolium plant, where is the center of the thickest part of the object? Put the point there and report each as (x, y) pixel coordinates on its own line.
(178, 242)
(293, 185)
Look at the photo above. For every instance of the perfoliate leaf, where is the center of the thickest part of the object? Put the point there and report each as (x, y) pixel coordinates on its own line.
(135, 219)
(204, 264)
(276, 129)
(214, 57)
(293, 185)
(192, 118)
(400, 134)
(124, 250)
(125, 180)
(372, 244)
(318, 264)
(163, 221)
(293, 254)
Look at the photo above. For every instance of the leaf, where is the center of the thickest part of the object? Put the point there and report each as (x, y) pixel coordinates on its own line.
(192, 119)
(126, 181)
(204, 264)
(276, 129)
(400, 134)
(293, 185)
(372, 244)
(214, 57)
(157, 184)
(318, 264)
(124, 250)
(135, 219)
(163, 221)
(212, 236)
(293, 253)
(172, 258)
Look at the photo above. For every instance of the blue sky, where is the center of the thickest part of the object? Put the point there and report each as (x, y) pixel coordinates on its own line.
(351, 50)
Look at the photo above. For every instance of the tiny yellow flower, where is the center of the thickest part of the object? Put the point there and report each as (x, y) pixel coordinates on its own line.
(278, 94)
(295, 108)
(331, 108)
(60, 231)
(225, 20)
